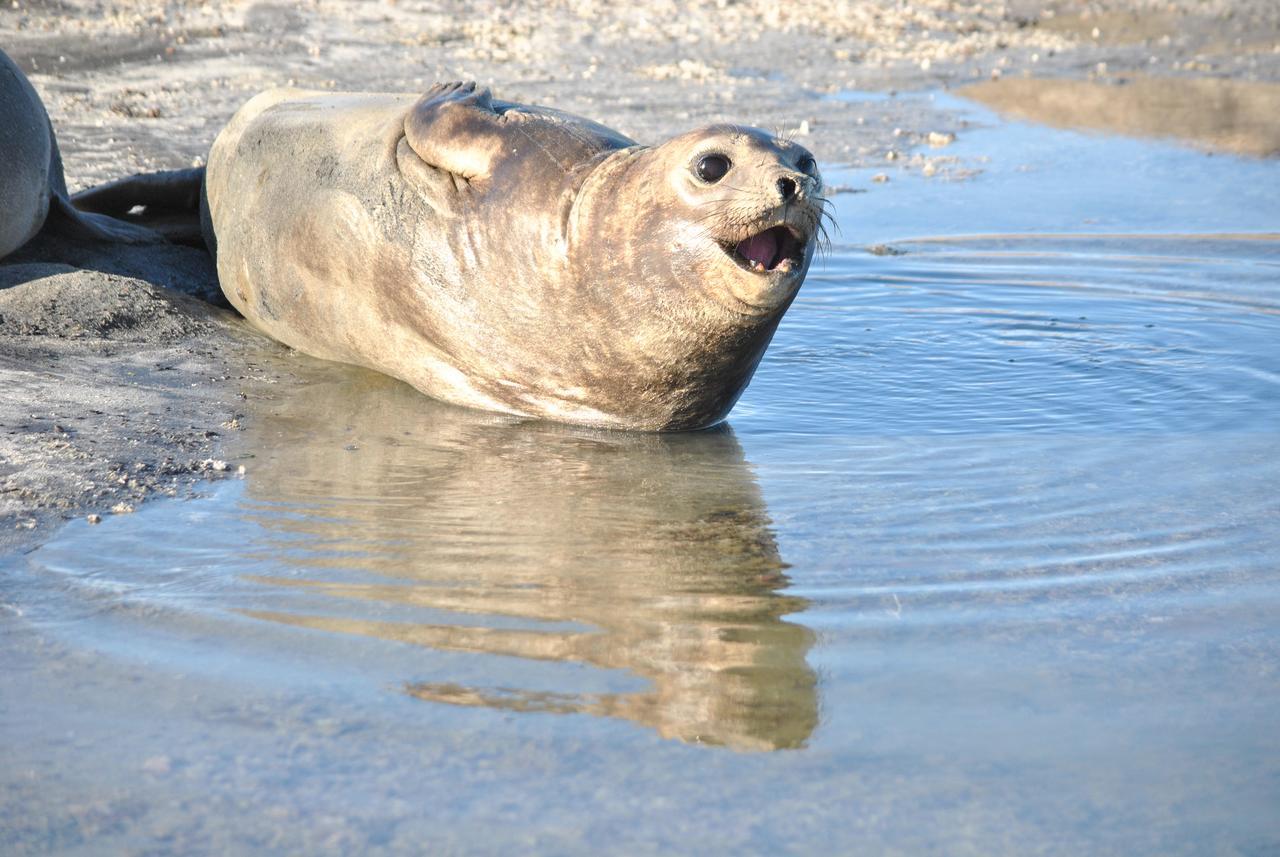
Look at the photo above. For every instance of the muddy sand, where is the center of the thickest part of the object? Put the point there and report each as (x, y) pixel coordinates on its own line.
(122, 378)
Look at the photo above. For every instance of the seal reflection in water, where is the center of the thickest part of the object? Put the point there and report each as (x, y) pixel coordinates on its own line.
(650, 554)
(510, 257)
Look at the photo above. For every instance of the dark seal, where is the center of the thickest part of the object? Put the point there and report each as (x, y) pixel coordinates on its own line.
(33, 190)
(511, 257)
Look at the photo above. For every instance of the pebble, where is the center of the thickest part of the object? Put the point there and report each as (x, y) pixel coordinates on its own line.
(938, 139)
(122, 509)
(94, 518)
(880, 178)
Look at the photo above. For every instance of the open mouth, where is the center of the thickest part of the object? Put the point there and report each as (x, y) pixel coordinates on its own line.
(777, 249)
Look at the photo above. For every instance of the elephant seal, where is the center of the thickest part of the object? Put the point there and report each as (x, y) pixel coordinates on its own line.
(33, 190)
(511, 257)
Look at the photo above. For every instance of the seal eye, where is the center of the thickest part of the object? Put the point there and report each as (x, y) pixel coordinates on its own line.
(807, 165)
(711, 168)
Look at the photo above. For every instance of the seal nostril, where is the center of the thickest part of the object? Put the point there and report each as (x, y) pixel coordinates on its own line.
(786, 187)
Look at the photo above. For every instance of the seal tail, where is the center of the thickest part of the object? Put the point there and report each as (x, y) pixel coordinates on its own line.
(147, 207)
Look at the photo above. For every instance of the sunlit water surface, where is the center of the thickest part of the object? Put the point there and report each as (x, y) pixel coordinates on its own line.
(984, 562)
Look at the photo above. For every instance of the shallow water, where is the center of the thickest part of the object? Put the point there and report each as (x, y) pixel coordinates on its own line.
(984, 562)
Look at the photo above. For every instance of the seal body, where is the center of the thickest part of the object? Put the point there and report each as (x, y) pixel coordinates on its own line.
(509, 257)
(29, 158)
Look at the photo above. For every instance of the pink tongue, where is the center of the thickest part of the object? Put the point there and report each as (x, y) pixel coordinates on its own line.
(760, 248)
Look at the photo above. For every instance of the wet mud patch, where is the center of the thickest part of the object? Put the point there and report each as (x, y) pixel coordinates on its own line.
(120, 382)
(178, 268)
(72, 304)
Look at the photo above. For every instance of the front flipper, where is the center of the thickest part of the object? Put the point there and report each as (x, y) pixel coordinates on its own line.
(461, 129)
(455, 127)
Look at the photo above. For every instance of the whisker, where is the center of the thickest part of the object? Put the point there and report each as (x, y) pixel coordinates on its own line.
(831, 218)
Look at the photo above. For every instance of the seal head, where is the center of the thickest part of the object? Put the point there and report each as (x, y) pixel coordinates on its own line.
(741, 210)
(703, 242)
